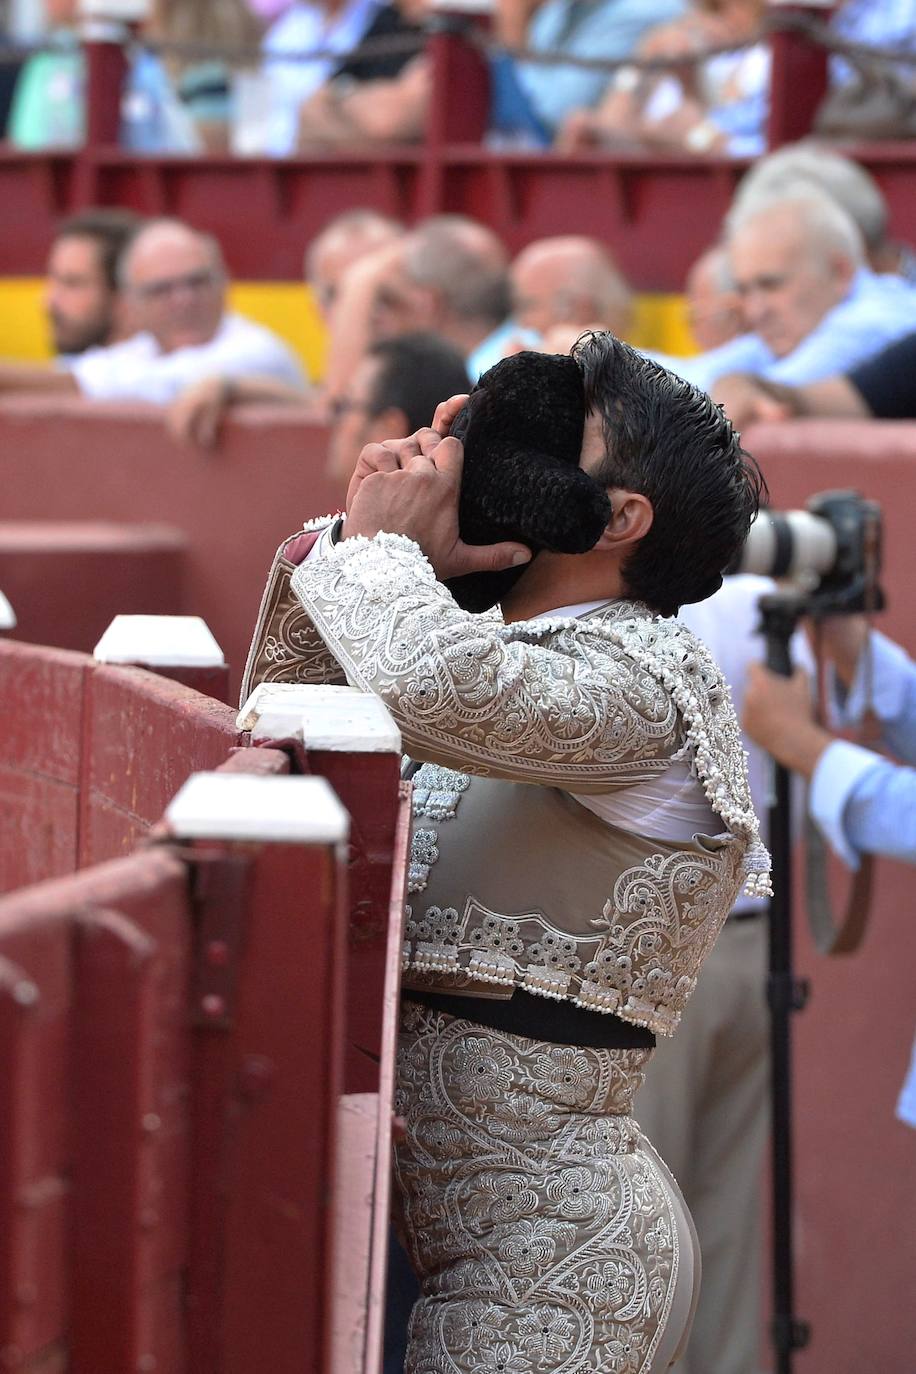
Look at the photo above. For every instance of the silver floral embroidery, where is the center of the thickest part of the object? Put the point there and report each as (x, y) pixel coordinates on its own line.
(584, 704)
(437, 791)
(543, 1233)
(577, 703)
(423, 854)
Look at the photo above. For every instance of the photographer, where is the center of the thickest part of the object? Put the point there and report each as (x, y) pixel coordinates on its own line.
(862, 803)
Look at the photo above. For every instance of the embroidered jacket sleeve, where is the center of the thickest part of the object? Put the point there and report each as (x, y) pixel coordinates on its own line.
(480, 696)
(285, 646)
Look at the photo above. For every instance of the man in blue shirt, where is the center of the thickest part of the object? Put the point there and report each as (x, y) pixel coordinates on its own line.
(862, 802)
(813, 308)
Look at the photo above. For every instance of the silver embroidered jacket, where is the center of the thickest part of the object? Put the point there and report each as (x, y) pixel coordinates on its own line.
(514, 885)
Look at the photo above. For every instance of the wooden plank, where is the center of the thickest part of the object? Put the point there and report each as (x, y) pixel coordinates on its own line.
(34, 1140)
(265, 1124)
(42, 694)
(143, 736)
(97, 1096)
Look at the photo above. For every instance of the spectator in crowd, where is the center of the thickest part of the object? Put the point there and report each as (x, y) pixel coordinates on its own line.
(531, 99)
(48, 108)
(382, 98)
(714, 105)
(205, 85)
(810, 163)
(81, 298)
(890, 24)
(565, 285)
(174, 284)
(882, 388)
(451, 273)
(395, 390)
(196, 416)
(327, 27)
(713, 304)
(811, 304)
(342, 241)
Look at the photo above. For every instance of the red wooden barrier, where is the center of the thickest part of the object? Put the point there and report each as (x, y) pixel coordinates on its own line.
(68, 579)
(175, 1027)
(91, 756)
(143, 736)
(42, 695)
(72, 461)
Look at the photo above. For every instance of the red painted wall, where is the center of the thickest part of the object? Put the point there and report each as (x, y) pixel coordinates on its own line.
(70, 461)
(856, 1163)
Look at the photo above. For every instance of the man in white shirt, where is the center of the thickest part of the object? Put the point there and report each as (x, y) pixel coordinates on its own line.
(173, 282)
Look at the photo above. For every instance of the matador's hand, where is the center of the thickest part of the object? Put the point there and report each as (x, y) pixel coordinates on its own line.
(419, 498)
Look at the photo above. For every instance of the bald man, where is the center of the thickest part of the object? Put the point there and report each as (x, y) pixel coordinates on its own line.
(569, 283)
(173, 282)
(450, 274)
(342, 242)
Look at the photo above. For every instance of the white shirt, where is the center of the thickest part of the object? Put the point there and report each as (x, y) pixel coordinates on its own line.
(137, 369)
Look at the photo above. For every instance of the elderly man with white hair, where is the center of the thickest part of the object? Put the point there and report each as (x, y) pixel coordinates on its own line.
(811, 304)
(173, 282)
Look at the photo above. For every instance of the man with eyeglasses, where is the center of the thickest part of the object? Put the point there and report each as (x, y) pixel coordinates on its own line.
(173, 283)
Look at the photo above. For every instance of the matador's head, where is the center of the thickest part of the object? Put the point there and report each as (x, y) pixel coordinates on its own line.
(522, 433)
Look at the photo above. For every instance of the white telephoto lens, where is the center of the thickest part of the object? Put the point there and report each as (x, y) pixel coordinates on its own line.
(791, 544)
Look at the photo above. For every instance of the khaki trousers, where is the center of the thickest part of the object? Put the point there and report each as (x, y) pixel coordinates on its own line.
(704, 1106)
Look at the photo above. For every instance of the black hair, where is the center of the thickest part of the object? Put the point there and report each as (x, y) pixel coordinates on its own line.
(669, 441)
(111, 230)
(416, 372)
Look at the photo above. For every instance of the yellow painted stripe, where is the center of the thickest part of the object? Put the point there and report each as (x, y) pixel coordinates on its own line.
(289, 309)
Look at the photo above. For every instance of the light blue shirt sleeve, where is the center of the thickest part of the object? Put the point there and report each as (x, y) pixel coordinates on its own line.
(862, 802)
(906, 1104)
(747, 353)
(584, 28)
(885, 682)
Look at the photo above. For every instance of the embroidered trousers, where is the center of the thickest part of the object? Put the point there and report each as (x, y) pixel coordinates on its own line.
(546, 1233)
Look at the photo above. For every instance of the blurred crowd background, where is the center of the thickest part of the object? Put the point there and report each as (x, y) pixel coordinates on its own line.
(278, 77)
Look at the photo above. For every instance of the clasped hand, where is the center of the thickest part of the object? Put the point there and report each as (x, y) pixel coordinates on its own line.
(411, 487)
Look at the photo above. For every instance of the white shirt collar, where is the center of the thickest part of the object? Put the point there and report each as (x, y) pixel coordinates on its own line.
(570, 612)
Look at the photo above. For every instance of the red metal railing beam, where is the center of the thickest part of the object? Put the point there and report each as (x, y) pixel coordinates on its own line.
(798, 78)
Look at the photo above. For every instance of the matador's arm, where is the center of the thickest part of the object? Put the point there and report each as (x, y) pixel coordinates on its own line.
(479, 696)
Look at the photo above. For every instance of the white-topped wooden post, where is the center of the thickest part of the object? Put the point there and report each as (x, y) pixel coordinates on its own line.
(251, 808)
(268, 1003)
(7, 614)
(352, 739)
(181, 647)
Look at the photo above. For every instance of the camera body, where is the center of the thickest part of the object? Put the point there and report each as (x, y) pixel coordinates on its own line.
(830, 551)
